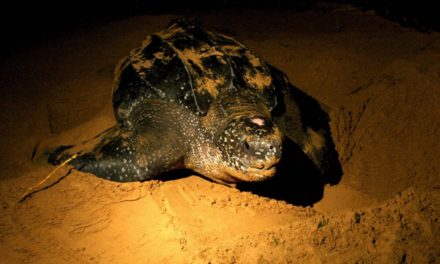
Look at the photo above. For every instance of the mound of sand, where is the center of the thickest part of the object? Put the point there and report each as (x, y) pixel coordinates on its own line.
(379, 80)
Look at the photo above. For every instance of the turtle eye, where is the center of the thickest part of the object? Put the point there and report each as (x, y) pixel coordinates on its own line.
(246, 145)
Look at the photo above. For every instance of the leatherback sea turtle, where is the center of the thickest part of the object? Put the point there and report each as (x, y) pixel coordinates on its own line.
(191, 98)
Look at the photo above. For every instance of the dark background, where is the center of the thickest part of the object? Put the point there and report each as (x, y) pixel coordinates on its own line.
(24, 23)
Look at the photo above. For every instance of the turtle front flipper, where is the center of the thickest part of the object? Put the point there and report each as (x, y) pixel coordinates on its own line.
(302, 120)
(125, 154)
(306, 124)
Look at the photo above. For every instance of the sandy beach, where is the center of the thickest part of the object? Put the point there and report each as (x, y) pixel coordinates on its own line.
(379, 81)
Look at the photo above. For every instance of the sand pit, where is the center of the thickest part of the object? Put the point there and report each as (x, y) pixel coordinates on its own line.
(380, 82)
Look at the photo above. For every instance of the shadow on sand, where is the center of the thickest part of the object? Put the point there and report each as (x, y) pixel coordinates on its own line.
(298, 180)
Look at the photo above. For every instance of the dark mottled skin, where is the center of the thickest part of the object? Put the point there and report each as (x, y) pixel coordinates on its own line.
(190, 98)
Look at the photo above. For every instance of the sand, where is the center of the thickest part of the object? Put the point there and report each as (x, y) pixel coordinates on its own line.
(379, 81)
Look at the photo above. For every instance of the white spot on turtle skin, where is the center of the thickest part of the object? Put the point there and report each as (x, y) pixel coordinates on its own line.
(258, 121)
(123, 169)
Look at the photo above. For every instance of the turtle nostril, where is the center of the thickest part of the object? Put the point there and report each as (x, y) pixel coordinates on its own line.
(274, 148)
(260, 146)
(275, 144)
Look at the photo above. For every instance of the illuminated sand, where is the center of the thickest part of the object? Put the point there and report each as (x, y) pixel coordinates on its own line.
(379, 80)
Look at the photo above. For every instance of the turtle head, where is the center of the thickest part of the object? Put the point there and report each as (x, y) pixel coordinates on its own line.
(251, 147)
(248, 141)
